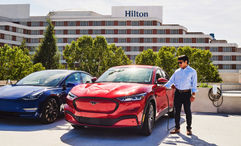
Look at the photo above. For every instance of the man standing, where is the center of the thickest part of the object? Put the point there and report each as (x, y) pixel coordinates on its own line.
(185, 81)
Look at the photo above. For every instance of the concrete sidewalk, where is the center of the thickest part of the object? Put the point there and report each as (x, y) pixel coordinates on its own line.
(209, 129)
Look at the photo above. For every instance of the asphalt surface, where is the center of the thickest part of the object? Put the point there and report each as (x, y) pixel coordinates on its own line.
(208, 129)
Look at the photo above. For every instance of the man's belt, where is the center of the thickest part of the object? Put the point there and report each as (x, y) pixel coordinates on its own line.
(182, 91)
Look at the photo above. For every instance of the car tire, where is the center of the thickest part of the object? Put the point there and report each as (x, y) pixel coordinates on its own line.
(149, 120)
(50, 111)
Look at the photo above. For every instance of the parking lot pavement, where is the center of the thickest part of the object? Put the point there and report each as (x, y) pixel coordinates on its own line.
(208, 129)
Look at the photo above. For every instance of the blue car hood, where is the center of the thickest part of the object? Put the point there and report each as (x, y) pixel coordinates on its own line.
(14, 92)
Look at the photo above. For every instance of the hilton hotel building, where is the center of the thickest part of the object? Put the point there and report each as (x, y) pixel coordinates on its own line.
(134, 28)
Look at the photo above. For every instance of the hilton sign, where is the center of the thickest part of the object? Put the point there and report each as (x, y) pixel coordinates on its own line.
(133, 13)
(137, 12)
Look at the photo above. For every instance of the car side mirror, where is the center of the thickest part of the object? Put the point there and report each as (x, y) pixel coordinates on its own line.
(162, 81)
(93, 79)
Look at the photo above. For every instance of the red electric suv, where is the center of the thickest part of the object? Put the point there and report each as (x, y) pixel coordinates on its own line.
(123, 96)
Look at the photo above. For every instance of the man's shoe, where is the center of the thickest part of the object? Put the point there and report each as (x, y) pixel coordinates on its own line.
(174, 131)
(189, 132)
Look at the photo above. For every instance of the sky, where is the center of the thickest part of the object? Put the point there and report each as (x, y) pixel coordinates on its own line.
(221, 17)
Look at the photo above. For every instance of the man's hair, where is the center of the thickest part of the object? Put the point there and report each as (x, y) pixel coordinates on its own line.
(184, 58)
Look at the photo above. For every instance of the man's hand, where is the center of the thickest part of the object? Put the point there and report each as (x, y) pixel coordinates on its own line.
(173, 87)
(192, 97)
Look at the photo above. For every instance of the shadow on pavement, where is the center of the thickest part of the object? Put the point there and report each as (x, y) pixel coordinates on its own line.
(189, 140)
(126, 136)
(21, 124)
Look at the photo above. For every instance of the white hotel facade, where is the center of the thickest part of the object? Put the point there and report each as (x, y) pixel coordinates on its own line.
(134, 28)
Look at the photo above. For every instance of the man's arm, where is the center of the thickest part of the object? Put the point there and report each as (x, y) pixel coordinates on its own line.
(194, 86)
(170, 82)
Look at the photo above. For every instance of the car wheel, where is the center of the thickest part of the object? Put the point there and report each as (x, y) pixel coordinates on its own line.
(149, 120)
(50, 111)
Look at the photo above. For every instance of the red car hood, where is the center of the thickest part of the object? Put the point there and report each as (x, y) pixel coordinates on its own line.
(110, 90)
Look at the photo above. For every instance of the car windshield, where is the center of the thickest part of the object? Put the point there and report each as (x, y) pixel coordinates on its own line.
(43, 78)
(127, 74)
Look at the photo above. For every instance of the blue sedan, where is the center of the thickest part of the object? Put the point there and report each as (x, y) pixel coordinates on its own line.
(40, 94)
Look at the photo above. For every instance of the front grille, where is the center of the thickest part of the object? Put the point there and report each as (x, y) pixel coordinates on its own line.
(95, 104)
(100, 121)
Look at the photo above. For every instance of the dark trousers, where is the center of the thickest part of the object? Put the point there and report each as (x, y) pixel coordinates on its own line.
(179, 99)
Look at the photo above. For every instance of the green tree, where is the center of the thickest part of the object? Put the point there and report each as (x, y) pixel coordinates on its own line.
(15, 64)
(200, 60)
(47, 53)
(23, 47)
(147, 57)
(93, 55)
(167, 59)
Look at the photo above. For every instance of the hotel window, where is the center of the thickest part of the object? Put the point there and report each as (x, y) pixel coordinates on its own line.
(123, 48)
(161, 40)
(59, 23)
(160, 31)
(45, 23)
(158, 24)
(121, 31)
(60, 40)
(2, 27)
(174, 31)
(238, 66)
(122, 23)
(109, 31)
(110, 40)
(135, 23)
(147, 40)
(148, 23)
(96, 23)
(227, 49)
(147, 31)
(19, 39)
(35, 23)
(187, 40)
(71, 23)
(59, 31)
(35, 40)
(84, 31)
(174, 40)
(200, 40)
(109, 23)
(35, 32)
(146, 48)
(135, 48)
(96, 31)
(214, 49)
(227, 58)
(70, 40)
(84, 23)
(227, 66)
(121, 40)
(214, 58)
(7, 37)
(238, 58)
(135, 40)
(135, 31)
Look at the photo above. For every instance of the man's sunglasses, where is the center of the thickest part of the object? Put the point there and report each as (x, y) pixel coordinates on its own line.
(180, 62)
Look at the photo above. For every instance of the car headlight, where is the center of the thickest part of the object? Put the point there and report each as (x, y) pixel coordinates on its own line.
(33, 96)
(136, 97)
(71, 96)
